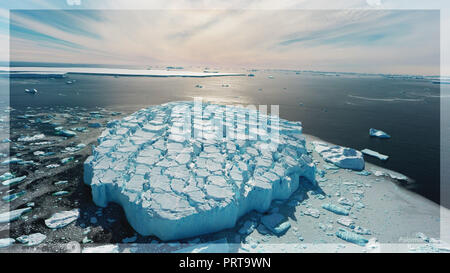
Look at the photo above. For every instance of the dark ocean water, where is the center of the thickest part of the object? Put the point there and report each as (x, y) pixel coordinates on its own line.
(338, 109)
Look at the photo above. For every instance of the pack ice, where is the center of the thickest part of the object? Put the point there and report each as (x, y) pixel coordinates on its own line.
(177, 184)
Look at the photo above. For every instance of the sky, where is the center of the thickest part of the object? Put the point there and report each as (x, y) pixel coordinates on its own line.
(373, 40)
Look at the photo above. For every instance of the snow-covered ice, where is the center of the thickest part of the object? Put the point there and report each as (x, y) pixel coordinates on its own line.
(176, 183)
(32, 239)
(62, 219)
(378, 133)
(342, 157)
(374, 154)
(10, 216)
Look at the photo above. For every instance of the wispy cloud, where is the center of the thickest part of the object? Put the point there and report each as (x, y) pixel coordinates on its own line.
(386, 41)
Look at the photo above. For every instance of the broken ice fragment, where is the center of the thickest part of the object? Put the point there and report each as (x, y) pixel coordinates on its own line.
(276, 223)
(13, 181)
(342, 157)
(94, 125)
(5, 242)
(10, 216)
(32, 239)
(31, 138)
(312, 212)
(67, 160)
(6, 176)
(351, 237)
(12, 197)
(378, 133)
(346, 221)
(62, 219)
(375, 154)
(335, 209)
(59, 193)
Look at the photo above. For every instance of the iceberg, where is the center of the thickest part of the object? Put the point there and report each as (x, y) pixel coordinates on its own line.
(178, 183)
(343, 157)
(375, 154)
(378, 133)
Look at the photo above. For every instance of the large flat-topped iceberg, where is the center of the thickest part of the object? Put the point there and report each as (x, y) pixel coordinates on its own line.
(55, 71)
(184, 169)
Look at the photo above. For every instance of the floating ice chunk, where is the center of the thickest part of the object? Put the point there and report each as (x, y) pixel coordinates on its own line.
(59, 193)
(342, 157)
(362, 231)
(276, 223)
(31, 91)
(14, 196)
(375, 154)
(94, 125)
(312, 212)
(101, 249)
(5, 242)
(52, 166)
(13, 181)
(335, 209)
(351, 237)
(346, 221)
(10, 216)
(62, 219)
(6, 176)
(67, 133)
(67, 160)
(31, 138)
(175, 184)
(378, 133)
(32, 239)
(61, 182)
(12, 160)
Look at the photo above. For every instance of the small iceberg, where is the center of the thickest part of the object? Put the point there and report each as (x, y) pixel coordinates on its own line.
(62, 219)
(31, 91)
(378, 133)
(32, 239)
(343, 157)
(375, 154)
(351, 237)
(10, 216)
(31, 138)
(13, 181)
(5, 242)
(336, 209)
(6, 176)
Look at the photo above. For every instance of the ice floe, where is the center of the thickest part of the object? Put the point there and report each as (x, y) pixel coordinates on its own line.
(374, 154)
(32, 239)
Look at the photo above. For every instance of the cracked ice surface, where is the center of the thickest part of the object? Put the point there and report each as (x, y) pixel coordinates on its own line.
(177, 184)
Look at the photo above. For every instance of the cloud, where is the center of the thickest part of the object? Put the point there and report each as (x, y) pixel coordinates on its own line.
(385, 41)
